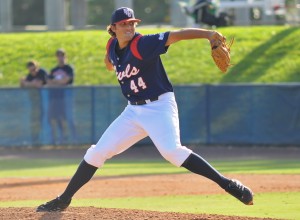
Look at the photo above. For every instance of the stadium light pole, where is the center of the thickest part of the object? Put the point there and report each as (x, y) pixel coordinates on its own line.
(6, 15)
(55, 14)
(178, 18)
(78, 13)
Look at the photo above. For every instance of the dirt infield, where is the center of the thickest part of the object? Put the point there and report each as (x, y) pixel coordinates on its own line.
(13, 189)
(140, 186)
(132, 186)
(90, 213)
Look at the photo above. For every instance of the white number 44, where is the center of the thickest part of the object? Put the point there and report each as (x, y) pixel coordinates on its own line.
(141, 84)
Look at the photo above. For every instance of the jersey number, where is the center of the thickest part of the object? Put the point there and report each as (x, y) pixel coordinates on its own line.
(141, 84)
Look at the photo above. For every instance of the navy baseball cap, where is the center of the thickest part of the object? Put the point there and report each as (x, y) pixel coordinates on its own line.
(122, 15)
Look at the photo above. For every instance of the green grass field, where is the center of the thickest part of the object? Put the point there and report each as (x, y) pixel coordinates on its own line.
(272, 205)
(260, 54)
(65, 168)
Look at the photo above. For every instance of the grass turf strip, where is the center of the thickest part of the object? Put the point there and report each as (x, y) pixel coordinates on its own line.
(271, 205)
(67, 167)
(259, 54)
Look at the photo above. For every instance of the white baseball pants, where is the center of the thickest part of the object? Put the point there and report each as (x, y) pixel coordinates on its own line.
(158, 120)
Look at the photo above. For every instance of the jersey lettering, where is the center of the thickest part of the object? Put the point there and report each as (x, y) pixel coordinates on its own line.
(141, 84)
(133, 87)
(127, 73)
(139, 69)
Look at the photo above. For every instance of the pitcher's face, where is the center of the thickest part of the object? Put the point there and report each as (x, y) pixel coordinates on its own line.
(125, 30)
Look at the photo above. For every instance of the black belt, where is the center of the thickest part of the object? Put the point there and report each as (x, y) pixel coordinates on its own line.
(143, 102)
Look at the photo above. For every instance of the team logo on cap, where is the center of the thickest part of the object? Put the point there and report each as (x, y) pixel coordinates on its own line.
(127, 12)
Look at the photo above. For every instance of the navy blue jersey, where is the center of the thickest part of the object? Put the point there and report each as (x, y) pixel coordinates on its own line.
(61, 72)
(141, 77)
(41, 75)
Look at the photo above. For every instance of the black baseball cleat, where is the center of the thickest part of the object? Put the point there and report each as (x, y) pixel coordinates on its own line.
(241, 192)
(55, 205)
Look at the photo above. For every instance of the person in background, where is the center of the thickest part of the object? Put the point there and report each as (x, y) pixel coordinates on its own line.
(61, 99)
(63, 73)
(36, 78)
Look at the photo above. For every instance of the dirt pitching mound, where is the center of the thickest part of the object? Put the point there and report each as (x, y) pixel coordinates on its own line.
(13, 189)
(89, 213)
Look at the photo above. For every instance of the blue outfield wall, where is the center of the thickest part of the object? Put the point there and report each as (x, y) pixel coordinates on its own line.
(209, 114)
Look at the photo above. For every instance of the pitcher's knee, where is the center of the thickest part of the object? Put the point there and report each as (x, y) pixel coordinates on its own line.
(176, 156)
(96, 156)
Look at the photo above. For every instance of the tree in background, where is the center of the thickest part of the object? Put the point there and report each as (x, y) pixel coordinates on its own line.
(293, 11)
(152, 12)
(99, 12)
(32, 12)
(28, 12)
